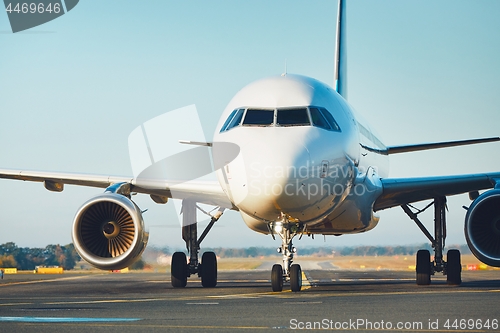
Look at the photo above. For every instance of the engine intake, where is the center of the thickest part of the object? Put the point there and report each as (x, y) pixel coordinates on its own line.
(108, 231)
(482, 228)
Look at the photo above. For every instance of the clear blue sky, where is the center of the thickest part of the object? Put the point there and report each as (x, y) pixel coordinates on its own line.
(73, 89)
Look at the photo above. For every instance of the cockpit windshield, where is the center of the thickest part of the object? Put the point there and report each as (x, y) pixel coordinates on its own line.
(299, 116)
(292, 117)
(322, 118)
(259, 117)
(233, 120)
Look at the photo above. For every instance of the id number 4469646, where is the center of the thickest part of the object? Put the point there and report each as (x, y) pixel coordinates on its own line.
(33, 8)
(471, 324)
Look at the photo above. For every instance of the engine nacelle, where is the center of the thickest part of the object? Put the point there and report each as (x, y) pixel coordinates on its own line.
(482, 227)
(108, 231)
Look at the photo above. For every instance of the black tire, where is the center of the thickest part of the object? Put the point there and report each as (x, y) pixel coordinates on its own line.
(453, 268)
(295, 278)
(277, 277)
(209, 270)
(178, 270)
(423, 267)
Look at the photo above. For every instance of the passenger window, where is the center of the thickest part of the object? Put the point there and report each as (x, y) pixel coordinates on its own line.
(293, 117)
(259, 117)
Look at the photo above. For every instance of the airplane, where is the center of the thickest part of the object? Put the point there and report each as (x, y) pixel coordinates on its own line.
(293, 158)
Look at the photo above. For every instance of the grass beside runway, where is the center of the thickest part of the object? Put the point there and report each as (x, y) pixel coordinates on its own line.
(397, 263)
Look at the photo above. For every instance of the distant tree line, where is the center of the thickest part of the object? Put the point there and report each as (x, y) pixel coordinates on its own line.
(25, 258)
(402, 250)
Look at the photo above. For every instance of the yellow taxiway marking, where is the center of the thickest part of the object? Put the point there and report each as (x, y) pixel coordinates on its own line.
(306, 284)
(324, 294)
(43, 281)
(199, 300)
(284, 294)
(135, 300)
(9, 304)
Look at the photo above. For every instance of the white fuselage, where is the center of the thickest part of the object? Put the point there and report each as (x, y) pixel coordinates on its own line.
(295, 170)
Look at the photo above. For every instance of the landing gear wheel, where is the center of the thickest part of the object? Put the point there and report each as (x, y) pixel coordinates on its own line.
(423, 267)
(453, 268)
(277, 277)
(295, 278)
(178, 270)
(209, 270)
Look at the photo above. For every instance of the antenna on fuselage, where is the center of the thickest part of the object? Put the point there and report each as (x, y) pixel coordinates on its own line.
(340, 76)
(285, 72)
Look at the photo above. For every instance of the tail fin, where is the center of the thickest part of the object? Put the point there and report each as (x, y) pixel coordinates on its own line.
(341, 52)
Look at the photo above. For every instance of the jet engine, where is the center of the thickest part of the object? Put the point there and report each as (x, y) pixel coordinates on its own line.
(108, 231)
(482, 227)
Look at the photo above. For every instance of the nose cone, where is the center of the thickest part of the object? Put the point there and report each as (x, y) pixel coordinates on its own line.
(268, 178)
(275, 182)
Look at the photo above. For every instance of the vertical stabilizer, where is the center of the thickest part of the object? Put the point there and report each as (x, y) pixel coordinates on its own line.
(340, 52)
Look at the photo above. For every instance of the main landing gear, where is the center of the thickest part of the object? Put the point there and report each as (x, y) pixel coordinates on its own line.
(452, 268)
(181, 269)
(287, 272)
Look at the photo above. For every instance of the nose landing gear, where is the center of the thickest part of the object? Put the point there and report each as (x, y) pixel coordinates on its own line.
(288, 272)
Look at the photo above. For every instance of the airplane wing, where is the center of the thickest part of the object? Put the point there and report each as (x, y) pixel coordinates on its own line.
(203, 192)
(399, 191)
(429, 146)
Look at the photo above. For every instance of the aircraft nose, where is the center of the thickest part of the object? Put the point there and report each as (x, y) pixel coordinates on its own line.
(274, 174)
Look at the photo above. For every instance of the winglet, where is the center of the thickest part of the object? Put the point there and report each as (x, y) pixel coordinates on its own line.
(340, 77)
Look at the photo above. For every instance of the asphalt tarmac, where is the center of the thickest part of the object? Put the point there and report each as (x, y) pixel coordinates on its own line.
(382, 301)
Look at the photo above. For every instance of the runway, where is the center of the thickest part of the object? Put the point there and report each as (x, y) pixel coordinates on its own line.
(243, 301)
